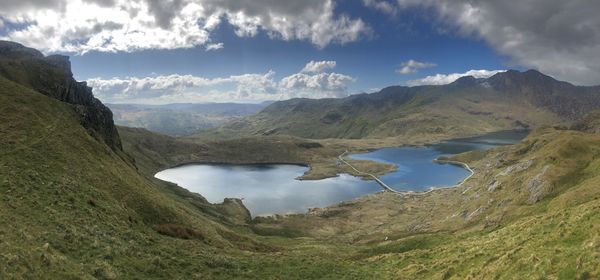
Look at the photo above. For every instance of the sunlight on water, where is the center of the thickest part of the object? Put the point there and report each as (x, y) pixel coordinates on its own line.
(272, 188)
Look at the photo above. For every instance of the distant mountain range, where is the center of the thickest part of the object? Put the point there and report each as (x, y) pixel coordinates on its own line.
(181, 119)
(507, 100)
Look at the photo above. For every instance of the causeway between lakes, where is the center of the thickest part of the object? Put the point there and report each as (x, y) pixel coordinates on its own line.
(272, 189)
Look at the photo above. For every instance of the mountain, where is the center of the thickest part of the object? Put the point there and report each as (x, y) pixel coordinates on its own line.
(181, 119)
(74, 205)
(52, 76)
(468, 106)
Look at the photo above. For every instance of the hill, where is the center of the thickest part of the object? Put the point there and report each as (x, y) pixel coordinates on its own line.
(76, 205)
(529, 211)
(181, 119)
(468, 106)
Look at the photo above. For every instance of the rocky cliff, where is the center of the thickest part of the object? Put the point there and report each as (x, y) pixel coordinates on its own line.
(52, 76)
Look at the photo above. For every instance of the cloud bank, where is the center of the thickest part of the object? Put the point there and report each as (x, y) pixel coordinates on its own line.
(80, 26)
(238, 88)
(443, 79)
(560, 38)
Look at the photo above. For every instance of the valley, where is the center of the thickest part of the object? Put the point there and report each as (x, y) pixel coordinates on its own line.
(80, 199)
(181, 119)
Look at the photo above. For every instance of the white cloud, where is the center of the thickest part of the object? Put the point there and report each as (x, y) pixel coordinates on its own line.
(129, 25)
(560, 38)
(318, 66)
(413, 66)
(214, 47)
(324, 82)
(184, 88)
(382, 6)
(238, 88)
(443, 79)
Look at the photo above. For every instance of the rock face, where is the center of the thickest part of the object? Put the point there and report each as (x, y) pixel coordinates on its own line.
(564, 99)
(537, 186)
(52, 76)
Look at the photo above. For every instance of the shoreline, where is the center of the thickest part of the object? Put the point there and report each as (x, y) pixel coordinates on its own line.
(390, 189)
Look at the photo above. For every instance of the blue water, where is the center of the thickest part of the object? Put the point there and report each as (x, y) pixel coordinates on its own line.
(267, 189)
(272, 188)
(418, 172)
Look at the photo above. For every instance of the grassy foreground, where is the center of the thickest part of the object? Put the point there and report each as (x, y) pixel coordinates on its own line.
(74, 208)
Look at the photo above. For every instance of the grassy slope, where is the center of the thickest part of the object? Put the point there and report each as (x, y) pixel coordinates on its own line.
(77, 209)
(540, 220)
(471, 231)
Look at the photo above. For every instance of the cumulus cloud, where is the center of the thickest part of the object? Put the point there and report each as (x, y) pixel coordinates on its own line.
(443, 79)
(318, 66)
(129, 25)
(560, 38)
(324, 82)
(413, 66)
(237, 88)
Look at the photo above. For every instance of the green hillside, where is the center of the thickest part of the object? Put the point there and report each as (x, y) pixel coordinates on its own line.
(75, 207)
(78, 201)
(468, 106)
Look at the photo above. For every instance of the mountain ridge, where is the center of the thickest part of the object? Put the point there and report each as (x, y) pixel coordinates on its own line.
(481, 105)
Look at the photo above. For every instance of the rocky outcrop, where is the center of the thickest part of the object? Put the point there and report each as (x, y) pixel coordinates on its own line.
(590, 123)
(235, 210)
(52, 76)
(537, 186)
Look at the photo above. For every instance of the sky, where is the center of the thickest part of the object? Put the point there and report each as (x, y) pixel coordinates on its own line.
(180, 51)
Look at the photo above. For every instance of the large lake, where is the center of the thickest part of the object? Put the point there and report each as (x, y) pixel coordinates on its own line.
(272, 189)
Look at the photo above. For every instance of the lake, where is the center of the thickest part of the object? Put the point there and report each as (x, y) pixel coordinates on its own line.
(272, 189)
(416, 169)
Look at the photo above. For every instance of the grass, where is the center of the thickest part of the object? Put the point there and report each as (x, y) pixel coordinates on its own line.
(77, 209)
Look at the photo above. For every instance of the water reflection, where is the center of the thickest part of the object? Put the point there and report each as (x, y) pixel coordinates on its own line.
(267, 189)
(418, 172)
(272, 188)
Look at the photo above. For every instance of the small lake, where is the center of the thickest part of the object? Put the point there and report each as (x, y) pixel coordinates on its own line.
(272, 189)
(416, 169)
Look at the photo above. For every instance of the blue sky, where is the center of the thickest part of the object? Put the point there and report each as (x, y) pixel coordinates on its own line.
(373, 60)
(145, 51)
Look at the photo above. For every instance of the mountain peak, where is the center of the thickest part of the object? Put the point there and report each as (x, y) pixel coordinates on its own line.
(13, 49)
(465, 81)
(514, 79)
(52, 76)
